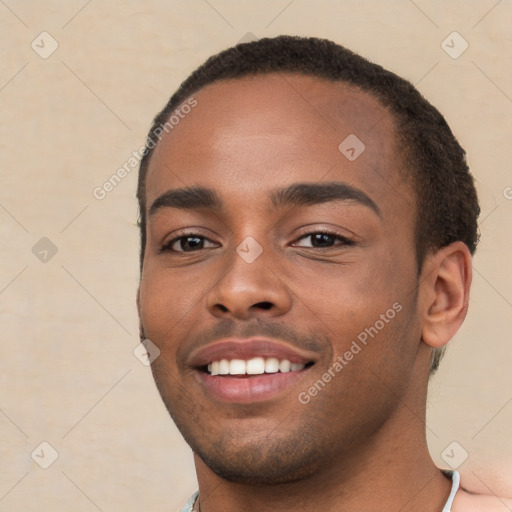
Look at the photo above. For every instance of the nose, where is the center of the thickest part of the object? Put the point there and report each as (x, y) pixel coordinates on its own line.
(247, 290)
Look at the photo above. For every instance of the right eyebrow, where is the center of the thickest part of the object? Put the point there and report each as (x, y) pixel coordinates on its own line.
(187, 198)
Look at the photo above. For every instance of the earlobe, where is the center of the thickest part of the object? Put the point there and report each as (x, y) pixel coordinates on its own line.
(445, 290)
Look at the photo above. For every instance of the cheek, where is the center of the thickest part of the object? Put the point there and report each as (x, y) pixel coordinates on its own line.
(373, 364)
(370, 311)
(162, 303)
(352, 298)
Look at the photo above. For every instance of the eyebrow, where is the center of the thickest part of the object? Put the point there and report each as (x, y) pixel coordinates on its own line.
(297, 194)
(188, 198)
(306, 194)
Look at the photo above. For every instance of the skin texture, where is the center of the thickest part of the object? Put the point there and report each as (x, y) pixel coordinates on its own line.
(466, 501)
(359, 444)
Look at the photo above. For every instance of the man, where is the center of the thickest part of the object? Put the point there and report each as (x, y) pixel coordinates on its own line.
(307, 225)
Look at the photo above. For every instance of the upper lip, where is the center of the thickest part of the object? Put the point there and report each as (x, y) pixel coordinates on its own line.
(245, 349)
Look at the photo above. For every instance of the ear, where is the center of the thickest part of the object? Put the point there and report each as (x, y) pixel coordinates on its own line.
(444, 289)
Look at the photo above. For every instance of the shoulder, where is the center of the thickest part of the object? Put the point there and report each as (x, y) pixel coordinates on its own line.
(466, 501)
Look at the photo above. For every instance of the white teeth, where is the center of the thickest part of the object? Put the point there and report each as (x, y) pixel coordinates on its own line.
(237, 367)
(224, 367)
(271, 365)
(254, 366)
(285, 366)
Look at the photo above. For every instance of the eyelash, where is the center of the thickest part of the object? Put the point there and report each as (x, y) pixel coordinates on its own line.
(167, 247)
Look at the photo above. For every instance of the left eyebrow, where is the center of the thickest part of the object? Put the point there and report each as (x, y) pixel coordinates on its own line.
(306, 194)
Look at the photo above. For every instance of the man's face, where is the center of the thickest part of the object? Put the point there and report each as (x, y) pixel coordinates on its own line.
(336, 264)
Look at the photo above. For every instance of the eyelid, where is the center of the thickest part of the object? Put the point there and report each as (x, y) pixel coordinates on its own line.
(327, 231)
(344, 239)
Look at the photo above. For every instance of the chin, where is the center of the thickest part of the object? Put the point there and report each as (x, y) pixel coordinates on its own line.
(262, 466)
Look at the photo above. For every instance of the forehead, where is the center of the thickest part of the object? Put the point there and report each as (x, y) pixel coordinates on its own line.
(248, 135)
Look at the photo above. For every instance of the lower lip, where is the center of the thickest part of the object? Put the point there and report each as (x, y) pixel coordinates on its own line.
(251, 389)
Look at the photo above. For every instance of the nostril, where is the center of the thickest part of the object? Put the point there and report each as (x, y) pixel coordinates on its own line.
(263, 305)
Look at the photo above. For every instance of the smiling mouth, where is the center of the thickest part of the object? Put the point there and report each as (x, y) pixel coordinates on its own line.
(254, 366)
(252, 370)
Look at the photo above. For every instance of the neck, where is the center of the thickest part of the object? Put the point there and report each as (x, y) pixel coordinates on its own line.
(391, 471)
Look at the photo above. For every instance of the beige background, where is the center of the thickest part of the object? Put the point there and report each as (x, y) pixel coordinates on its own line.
(68, 325)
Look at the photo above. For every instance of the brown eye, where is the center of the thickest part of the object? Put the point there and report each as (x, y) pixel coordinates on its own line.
(187, 243)
(323, 240)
